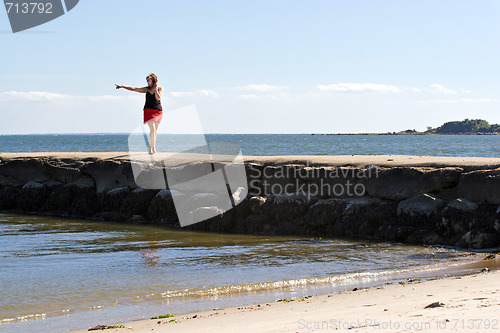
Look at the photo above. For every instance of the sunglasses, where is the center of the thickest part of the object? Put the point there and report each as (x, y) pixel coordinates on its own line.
(149, 80)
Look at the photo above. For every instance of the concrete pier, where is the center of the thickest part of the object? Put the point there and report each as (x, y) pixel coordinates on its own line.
(411, 199)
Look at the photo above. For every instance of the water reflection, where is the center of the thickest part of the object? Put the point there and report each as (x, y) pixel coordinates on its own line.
(151, 256)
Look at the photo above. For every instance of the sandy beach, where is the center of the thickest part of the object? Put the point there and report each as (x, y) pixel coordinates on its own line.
(468, 303)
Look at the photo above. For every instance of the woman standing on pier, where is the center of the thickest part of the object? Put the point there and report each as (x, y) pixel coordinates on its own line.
(152, 108)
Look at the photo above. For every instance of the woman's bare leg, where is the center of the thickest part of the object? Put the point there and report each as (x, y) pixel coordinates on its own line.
(152, 135)
(156, 124)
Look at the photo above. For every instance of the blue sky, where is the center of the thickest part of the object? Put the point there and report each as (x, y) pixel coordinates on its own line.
(274, 66)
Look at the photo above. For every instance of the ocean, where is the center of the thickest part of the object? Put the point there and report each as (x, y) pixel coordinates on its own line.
(271, 144)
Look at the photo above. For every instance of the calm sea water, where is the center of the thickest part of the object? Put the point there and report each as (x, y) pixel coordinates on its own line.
(62, 274)
(272, 144)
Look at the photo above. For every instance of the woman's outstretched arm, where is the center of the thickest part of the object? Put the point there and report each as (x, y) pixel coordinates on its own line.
(139, 90)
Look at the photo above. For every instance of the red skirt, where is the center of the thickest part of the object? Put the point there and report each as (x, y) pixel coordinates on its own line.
(152, 114)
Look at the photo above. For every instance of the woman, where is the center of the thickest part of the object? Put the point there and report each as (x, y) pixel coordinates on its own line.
(152, 108)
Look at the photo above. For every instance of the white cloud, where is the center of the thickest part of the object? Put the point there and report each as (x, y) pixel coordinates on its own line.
(285, 97)
(359, 87)
(438, 88)
(261, 87)
(42, 96)
(247, 97)
(194, 93)
(34, 96)
(276, 96)
(207, 93)
(45, 96)
(459, 100)
(113, 98)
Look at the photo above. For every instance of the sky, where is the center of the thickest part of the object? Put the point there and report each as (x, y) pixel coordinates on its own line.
(272, 66)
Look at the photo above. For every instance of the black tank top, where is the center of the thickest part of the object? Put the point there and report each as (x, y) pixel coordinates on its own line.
(152, 102)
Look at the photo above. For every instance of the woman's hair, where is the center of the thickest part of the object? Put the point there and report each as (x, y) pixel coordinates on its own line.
(153, 77)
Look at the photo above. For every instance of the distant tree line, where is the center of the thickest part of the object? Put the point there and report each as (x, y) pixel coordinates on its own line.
(466, 126)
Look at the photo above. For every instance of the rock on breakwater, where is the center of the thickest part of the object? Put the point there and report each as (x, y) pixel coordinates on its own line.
(412, 199)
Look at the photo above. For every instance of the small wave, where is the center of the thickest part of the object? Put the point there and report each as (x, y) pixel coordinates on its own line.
(21, 318)
(336, 280)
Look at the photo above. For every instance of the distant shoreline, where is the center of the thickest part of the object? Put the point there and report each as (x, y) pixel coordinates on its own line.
(386, 133)
(399, 133)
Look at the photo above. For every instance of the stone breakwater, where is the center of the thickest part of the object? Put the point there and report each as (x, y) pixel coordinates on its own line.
(410, 199)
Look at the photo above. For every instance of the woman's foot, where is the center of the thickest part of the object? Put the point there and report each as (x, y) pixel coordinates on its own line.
(154, 151)
(150, 151)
